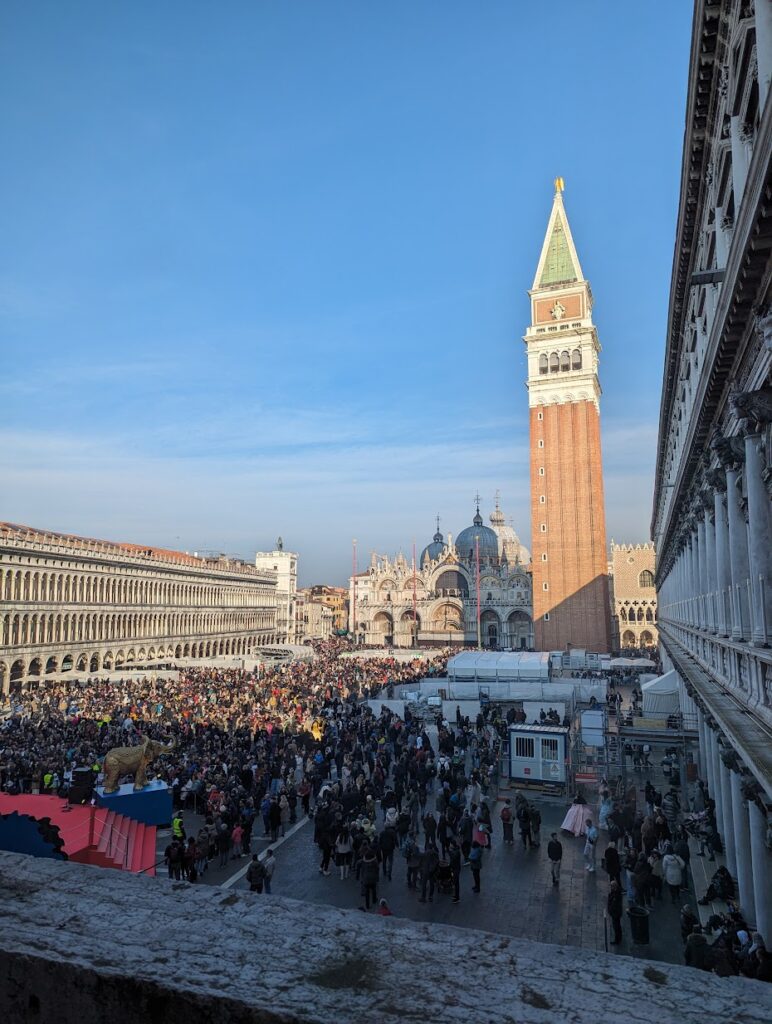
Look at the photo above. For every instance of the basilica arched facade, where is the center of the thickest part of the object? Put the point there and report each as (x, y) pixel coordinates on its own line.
(442, 588)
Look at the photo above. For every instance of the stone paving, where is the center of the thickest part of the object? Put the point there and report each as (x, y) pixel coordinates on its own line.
(517, 898)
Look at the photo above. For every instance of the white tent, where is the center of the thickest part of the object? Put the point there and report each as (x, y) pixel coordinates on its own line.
(660, 696)
(499, 666)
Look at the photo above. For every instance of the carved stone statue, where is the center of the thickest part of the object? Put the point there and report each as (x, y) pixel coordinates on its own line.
(125, 760)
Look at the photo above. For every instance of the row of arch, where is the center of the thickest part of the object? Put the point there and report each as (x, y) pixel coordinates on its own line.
(89, 588)
(515, 631)
(560, 362)
(644, 639)
(18, 630)
(124, 658)
(641, 613)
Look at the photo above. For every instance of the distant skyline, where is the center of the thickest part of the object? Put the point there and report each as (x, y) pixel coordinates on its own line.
(264, 267)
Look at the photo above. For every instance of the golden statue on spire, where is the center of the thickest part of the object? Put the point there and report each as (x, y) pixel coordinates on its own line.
(559, 185)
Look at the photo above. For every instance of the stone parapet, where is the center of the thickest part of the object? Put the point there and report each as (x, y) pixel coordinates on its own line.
(81, 945)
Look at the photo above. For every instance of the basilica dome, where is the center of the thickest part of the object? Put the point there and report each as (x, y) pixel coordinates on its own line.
(510, 547)
(435, 549)
(488, 541)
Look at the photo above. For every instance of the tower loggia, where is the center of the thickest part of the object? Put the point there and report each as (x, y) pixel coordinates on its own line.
(568, 523)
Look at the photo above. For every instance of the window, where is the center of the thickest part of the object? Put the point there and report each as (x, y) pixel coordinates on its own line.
(546, 616)
(543, 363)
(543, 527)
(549, 749)
(542, 499)
(541, 444)
(576, 359)
(554, 362)
(524, 746)
(565, 363)
(544, 557)
(539, 415)
(646, 579)
(541, 470)
(545, 586)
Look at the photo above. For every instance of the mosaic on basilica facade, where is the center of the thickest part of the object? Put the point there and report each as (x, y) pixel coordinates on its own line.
(395, 603)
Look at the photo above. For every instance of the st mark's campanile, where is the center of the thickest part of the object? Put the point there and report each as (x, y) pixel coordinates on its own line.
(568, 521)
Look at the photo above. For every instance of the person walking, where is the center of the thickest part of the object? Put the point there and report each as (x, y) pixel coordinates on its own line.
(524, 821)
(268, 865)
(370, 879)
(535, 816)
(555, 854)
(430, 861)
(255, 875)
(475, 862)
(454, 859)
(387, 844)
(612, 863)
(590, 846)
(506, 823)
(672, 869)
(614, 909)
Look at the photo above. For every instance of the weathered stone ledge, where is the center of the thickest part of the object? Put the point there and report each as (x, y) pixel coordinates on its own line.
(81, 945)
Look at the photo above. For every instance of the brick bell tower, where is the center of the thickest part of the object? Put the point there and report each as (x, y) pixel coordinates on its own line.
(568, 521)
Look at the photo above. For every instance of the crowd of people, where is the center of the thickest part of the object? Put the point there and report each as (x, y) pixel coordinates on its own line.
(258, 750)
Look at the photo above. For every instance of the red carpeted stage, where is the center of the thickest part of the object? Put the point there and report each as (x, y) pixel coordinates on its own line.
(91, 835)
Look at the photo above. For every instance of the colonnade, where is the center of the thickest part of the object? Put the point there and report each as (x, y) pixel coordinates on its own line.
(742, 821)
(720, 580)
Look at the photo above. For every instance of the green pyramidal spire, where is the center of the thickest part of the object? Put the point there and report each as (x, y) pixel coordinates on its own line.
(558, 266)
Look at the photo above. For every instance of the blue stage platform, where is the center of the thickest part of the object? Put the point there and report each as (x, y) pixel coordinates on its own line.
(151, 805)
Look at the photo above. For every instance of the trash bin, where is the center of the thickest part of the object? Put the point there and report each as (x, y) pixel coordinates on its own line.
(639, 925)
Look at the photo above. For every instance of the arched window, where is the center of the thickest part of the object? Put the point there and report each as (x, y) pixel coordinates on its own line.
(565, 363)
(543, 363)
(576, 359)
(554, 362)
(646, 579)
(623, 614)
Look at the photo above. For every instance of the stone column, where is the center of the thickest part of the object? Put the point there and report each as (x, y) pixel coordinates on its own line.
(738, 557)
(742, 848)
(726, 815)
(760, 540)
(713, 783)
(739, 159)
(761, 871)
(702, 569)
(763, 18)
(702, 749)
(710, 564)
(723, 571)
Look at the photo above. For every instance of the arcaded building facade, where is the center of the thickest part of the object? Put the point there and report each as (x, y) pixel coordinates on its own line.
(435, 602)
(633, 596)
(75, 605)
(712, 513)
(568, 518)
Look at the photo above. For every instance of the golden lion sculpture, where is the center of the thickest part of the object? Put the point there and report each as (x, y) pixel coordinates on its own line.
(124, 760)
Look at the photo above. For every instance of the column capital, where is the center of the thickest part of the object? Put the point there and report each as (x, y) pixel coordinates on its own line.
(755, 408)
(762, 323)
(730, 450)
(716, 478)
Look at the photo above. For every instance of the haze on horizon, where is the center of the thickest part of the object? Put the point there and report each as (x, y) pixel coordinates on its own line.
(264, 270)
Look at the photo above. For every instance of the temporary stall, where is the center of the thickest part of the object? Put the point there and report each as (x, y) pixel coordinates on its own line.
(499, 666)
(660, 696)
(631, 663)
(537, 753)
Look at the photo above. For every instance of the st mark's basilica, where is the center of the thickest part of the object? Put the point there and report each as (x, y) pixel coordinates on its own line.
(435, 601)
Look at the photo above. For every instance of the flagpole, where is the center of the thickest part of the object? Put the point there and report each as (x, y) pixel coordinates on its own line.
(477, 583)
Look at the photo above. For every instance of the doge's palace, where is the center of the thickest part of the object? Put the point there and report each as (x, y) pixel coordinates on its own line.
(73, 605)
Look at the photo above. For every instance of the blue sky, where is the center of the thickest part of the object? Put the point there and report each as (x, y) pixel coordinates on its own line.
(263, 266)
